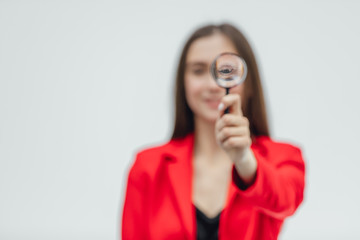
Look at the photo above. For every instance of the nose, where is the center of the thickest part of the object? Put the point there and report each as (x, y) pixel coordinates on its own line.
(212, 85)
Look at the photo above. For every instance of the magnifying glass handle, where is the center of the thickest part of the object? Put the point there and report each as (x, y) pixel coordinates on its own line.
(227, 109)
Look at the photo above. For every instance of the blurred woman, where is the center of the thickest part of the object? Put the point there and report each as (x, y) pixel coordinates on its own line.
(220, 176)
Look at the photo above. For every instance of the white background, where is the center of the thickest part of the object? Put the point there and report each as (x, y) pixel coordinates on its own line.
(85, 84)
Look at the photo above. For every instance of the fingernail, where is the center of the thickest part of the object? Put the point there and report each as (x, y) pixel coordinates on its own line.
(221, 106)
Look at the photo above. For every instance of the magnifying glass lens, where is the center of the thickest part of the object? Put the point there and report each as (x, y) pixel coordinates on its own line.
(228, 70)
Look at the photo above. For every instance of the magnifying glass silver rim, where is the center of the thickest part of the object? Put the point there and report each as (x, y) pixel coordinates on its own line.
(213, 69)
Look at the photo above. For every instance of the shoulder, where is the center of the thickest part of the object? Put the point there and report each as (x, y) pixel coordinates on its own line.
(150, 159)
(269, 143)
(147, 159)
(272, 149)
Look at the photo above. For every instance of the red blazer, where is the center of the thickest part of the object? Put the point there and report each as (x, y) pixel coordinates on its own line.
(158, 202)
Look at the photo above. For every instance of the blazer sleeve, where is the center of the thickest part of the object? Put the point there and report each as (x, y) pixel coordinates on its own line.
(134, 211)
(278, 188)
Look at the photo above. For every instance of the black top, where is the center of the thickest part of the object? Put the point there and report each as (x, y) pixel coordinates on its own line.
(207, 228)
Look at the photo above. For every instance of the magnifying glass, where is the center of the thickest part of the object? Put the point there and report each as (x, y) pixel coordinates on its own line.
(228, 70)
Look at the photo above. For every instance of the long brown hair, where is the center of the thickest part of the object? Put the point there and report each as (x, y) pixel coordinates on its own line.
(253, 105)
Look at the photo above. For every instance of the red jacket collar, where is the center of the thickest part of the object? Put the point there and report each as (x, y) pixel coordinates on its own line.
(178, 155)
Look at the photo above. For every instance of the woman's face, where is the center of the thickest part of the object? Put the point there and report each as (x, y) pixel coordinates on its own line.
(202, 93)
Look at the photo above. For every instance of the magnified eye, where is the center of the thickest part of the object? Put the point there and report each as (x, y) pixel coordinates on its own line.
(225, 70)
(228, 70)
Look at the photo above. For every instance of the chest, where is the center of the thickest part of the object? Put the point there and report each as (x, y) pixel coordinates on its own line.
(210, 185)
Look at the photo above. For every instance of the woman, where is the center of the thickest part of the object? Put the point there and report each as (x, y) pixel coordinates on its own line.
(220, 176)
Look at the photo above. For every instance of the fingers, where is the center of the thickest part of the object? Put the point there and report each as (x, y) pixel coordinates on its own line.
(233, 129)
(233, 102)
(231, 120)
(233, 132)
(237, 142)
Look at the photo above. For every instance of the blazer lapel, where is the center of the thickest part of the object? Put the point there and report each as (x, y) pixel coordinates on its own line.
(179, 158)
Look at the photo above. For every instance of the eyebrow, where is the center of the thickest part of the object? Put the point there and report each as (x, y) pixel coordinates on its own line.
(196, 64)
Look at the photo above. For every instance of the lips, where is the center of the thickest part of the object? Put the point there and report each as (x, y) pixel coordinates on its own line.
(213, 103)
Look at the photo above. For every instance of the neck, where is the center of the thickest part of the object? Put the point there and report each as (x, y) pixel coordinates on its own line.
(204, 138)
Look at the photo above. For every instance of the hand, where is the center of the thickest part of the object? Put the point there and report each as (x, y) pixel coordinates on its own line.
(232, 133)
(232, 129)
